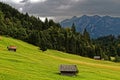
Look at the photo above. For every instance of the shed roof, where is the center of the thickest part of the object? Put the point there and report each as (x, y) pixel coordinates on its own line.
(12, 47)
(68, 68)
(97, 57)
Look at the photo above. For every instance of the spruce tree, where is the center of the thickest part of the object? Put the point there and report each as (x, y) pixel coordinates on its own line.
(46, 24)
(73, 28)
(86, 35)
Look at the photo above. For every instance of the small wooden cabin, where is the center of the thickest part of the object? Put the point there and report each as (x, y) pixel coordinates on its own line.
(69, 70)
(12, 48)
(97, 57)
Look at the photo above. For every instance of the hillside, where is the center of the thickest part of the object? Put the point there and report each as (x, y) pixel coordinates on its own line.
(96, 25)
(47, 34)
(29, 63)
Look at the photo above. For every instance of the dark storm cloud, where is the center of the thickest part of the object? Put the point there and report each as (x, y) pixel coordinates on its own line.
(49, 8)
(102, 7)
(67, 8)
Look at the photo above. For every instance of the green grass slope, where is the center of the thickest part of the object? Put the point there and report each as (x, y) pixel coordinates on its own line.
(29, 63)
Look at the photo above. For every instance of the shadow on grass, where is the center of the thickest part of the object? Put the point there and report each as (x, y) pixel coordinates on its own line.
(57, 73)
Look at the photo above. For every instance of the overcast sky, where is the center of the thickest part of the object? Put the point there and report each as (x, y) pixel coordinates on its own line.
(62, 9)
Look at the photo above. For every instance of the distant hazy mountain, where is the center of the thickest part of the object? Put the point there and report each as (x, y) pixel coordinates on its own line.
(96, 25)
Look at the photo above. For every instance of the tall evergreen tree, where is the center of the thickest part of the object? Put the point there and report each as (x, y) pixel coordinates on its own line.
(86, 35)
(73, 28)
(46, 24)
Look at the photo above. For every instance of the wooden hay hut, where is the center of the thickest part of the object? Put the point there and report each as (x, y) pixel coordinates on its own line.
(97, 57)
(12, 48)
(69, 70)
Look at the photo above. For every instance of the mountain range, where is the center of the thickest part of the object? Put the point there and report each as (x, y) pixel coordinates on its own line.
(96, 25)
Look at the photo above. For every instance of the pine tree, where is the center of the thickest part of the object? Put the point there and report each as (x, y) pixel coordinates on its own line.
(73, 28)
(42, 42)
(86, 35)
(46, 24)
(43, 45)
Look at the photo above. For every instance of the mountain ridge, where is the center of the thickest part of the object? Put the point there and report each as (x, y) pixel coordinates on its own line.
(96, 25)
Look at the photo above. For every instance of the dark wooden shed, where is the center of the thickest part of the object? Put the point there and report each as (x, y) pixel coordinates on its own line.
(69, 70)
(12, 48)
(97, 57)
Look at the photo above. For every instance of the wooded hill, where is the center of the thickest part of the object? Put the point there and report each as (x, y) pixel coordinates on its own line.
(48, 34)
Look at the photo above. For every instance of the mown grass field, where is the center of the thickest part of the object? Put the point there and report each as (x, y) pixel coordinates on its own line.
(29, 63)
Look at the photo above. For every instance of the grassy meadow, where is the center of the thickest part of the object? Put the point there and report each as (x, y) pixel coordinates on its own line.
(29, 63)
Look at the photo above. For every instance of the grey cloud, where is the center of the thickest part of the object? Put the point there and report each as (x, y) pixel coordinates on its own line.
(103, 7)
(51, 7)
(66, 8)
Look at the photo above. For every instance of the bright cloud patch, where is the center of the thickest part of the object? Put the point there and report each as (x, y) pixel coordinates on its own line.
(20, 9)
(34, 1)
(24, 1)
(17, 1)
(43, 18)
